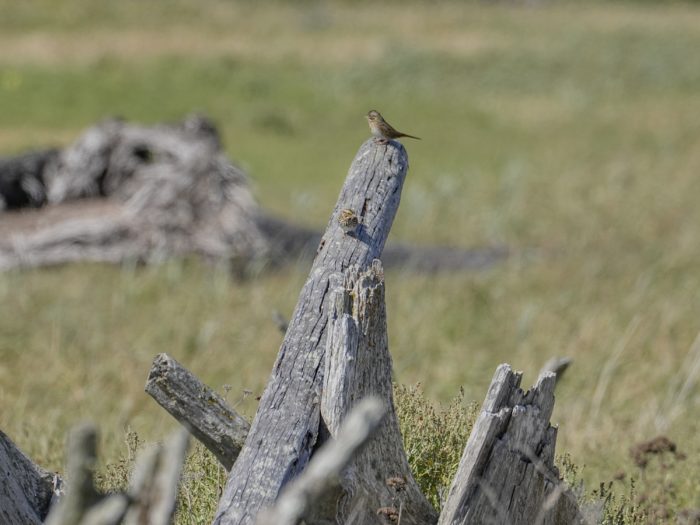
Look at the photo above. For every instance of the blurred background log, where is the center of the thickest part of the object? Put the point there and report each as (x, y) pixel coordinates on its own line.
(124, 192)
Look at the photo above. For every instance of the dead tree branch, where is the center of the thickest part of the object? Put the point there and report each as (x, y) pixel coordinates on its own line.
(210, 419)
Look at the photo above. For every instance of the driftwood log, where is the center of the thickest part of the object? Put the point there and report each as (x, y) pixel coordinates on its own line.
(507, 472)
(156, 192)
(124, 192)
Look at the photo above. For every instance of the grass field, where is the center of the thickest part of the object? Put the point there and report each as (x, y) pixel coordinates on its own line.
(568, 132)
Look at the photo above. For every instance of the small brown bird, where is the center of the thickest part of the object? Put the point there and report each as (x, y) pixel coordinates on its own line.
(348, 220)
(382, 130)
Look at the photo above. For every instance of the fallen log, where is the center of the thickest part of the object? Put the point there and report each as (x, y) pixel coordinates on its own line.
(163, 191)
(201, 410)
(507, 472)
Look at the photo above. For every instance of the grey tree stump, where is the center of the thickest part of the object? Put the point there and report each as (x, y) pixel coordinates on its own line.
(507, 473)
(285, 430)
(26, 489)
(301, 497)
(210, 419)
(358, 365)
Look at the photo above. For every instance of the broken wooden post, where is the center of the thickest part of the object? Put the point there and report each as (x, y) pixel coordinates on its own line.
(286, 427)
(507, 472)
(26, 488)
(358, 364)
(210, 419)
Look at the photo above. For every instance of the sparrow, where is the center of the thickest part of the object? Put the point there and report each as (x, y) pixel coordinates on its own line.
(382, 130)
(348, 220)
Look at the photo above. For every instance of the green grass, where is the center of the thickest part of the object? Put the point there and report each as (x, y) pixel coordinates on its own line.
(568, 132)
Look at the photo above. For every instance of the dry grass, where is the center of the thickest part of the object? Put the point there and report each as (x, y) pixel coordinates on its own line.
(569, 133)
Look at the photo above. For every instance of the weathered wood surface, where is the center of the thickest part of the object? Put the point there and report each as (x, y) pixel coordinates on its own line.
(210, 419)
(300, 498)
(357, 365)
(507, 472)
(286, 427)
(26, 489)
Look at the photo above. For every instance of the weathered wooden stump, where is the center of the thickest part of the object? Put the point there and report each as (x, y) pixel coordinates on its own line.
(309, 454)
(288, 424)
(358, 365)
(507, 472)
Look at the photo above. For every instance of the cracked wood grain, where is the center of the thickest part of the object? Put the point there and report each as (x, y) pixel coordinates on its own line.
(507, 472)
(210, 419)
(286, 427)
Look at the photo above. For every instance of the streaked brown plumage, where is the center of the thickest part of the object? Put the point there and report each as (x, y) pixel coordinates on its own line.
(348, 220)
(382, 130)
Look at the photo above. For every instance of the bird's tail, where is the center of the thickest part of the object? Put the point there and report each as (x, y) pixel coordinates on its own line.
(410, 136)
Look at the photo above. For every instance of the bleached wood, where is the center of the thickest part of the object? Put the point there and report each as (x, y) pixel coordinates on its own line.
(26, 489)
(507, 472)
(358, 364)
(286, 427)
(299, 497)
(210, 419)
